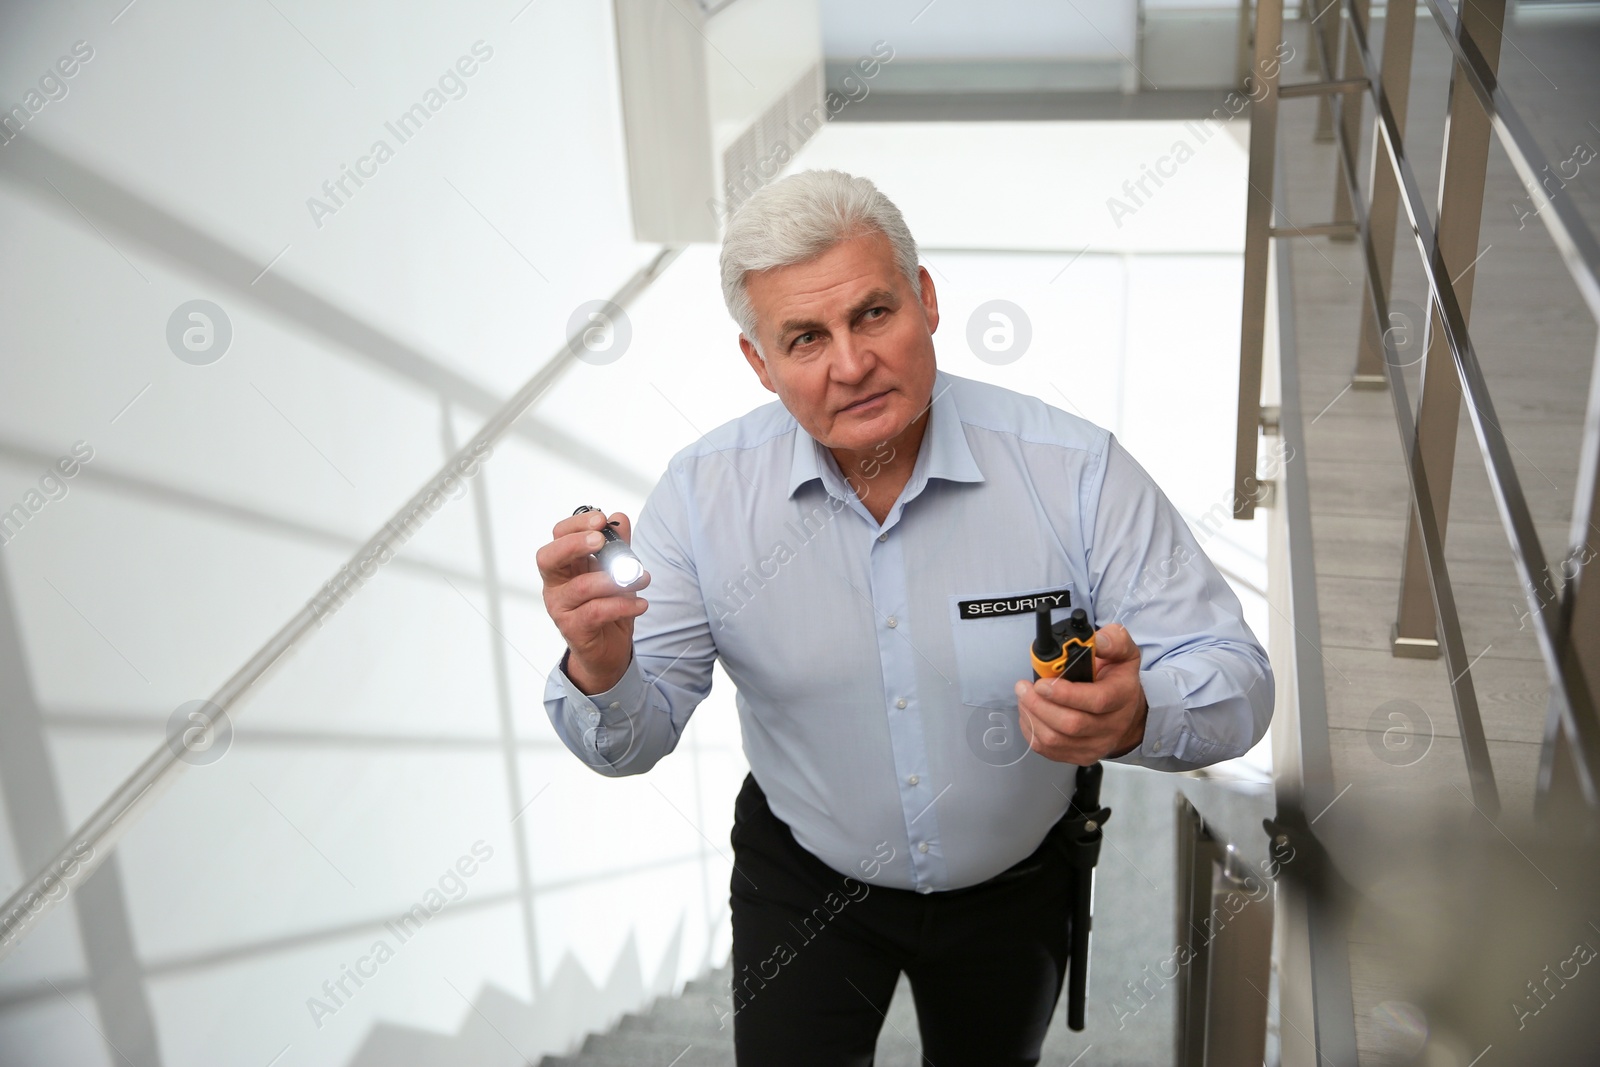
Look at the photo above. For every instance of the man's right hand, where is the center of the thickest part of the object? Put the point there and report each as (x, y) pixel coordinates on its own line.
(593, 613)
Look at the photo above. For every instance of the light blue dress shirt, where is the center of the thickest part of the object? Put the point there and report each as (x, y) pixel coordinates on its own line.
(875, 664)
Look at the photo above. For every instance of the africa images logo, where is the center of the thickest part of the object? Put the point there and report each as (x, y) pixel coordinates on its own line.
(452, 85)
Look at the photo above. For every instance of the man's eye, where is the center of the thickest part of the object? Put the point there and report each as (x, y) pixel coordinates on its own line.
(876, 313)
(804, 339)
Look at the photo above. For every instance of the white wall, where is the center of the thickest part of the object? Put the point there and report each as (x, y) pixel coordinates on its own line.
(980, 29)
(222, 496)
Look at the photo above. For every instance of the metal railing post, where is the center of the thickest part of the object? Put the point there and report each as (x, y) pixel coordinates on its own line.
(1197, 855)
(1226, 935)
(1241, 964)
(1460, 212)
(1263, 89)
(1322, 41)
(1347, 111)
(1383, 205)
(1241, 49)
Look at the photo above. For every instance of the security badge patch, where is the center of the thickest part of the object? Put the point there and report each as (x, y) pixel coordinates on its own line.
(985, 609)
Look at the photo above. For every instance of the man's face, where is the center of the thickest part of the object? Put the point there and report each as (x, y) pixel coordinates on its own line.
(849, 345)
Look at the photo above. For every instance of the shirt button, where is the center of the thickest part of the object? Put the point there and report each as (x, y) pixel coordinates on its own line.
(883, 537)
(922, 846)
(924, 888)
(893, 622)
(594, 716)
(615, 705)
(900, 704)
(913, 780)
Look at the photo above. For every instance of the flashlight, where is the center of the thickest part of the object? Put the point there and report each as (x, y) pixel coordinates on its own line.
(615, 557)
(1065, 650)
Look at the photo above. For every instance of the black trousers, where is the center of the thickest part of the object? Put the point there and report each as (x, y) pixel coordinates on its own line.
(817, 955)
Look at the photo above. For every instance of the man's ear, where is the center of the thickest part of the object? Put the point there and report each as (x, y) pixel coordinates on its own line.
(929, 299)
(757, 364)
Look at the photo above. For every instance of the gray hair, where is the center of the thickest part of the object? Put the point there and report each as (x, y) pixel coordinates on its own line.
(798, 218)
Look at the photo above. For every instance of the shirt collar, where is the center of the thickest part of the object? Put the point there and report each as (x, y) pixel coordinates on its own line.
(944, 452)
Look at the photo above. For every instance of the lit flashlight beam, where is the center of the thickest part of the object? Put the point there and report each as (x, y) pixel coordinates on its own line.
(615, 556)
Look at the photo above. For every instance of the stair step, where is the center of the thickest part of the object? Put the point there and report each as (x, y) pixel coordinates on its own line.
(697, 1015)
(690, 1023)
(639, 1050)
(718, 984)
(622, 1050)
(694, 1029)
(653, 1056)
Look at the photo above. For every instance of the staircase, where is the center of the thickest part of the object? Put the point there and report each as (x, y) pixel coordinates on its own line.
(501, 1029)
(1133, 933)
(693, 1029)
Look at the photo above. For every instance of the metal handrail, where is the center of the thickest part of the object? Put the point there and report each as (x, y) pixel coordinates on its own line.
(89, 845)
(1566, 679)
(1567, 229)
(1302, 752)
(1475, 746)
(1572, 701)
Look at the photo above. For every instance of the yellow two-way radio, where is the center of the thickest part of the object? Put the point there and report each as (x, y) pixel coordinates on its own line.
(1065, 649)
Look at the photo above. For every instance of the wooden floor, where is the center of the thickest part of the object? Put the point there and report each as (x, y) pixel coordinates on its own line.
(1537, 343)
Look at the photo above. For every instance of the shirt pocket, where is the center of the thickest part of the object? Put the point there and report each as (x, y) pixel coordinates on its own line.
(992, 647)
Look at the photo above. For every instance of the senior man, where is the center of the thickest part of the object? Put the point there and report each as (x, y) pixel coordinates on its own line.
(865, 557)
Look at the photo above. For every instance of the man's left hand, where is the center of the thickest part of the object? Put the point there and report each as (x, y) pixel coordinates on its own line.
(1081, 722)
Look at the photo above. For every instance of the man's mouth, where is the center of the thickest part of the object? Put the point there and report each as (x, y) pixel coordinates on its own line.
(865, 402)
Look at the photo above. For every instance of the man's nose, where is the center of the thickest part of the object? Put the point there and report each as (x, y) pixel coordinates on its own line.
(852, 358)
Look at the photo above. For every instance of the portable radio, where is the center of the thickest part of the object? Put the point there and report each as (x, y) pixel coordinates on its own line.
(1065, 649)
